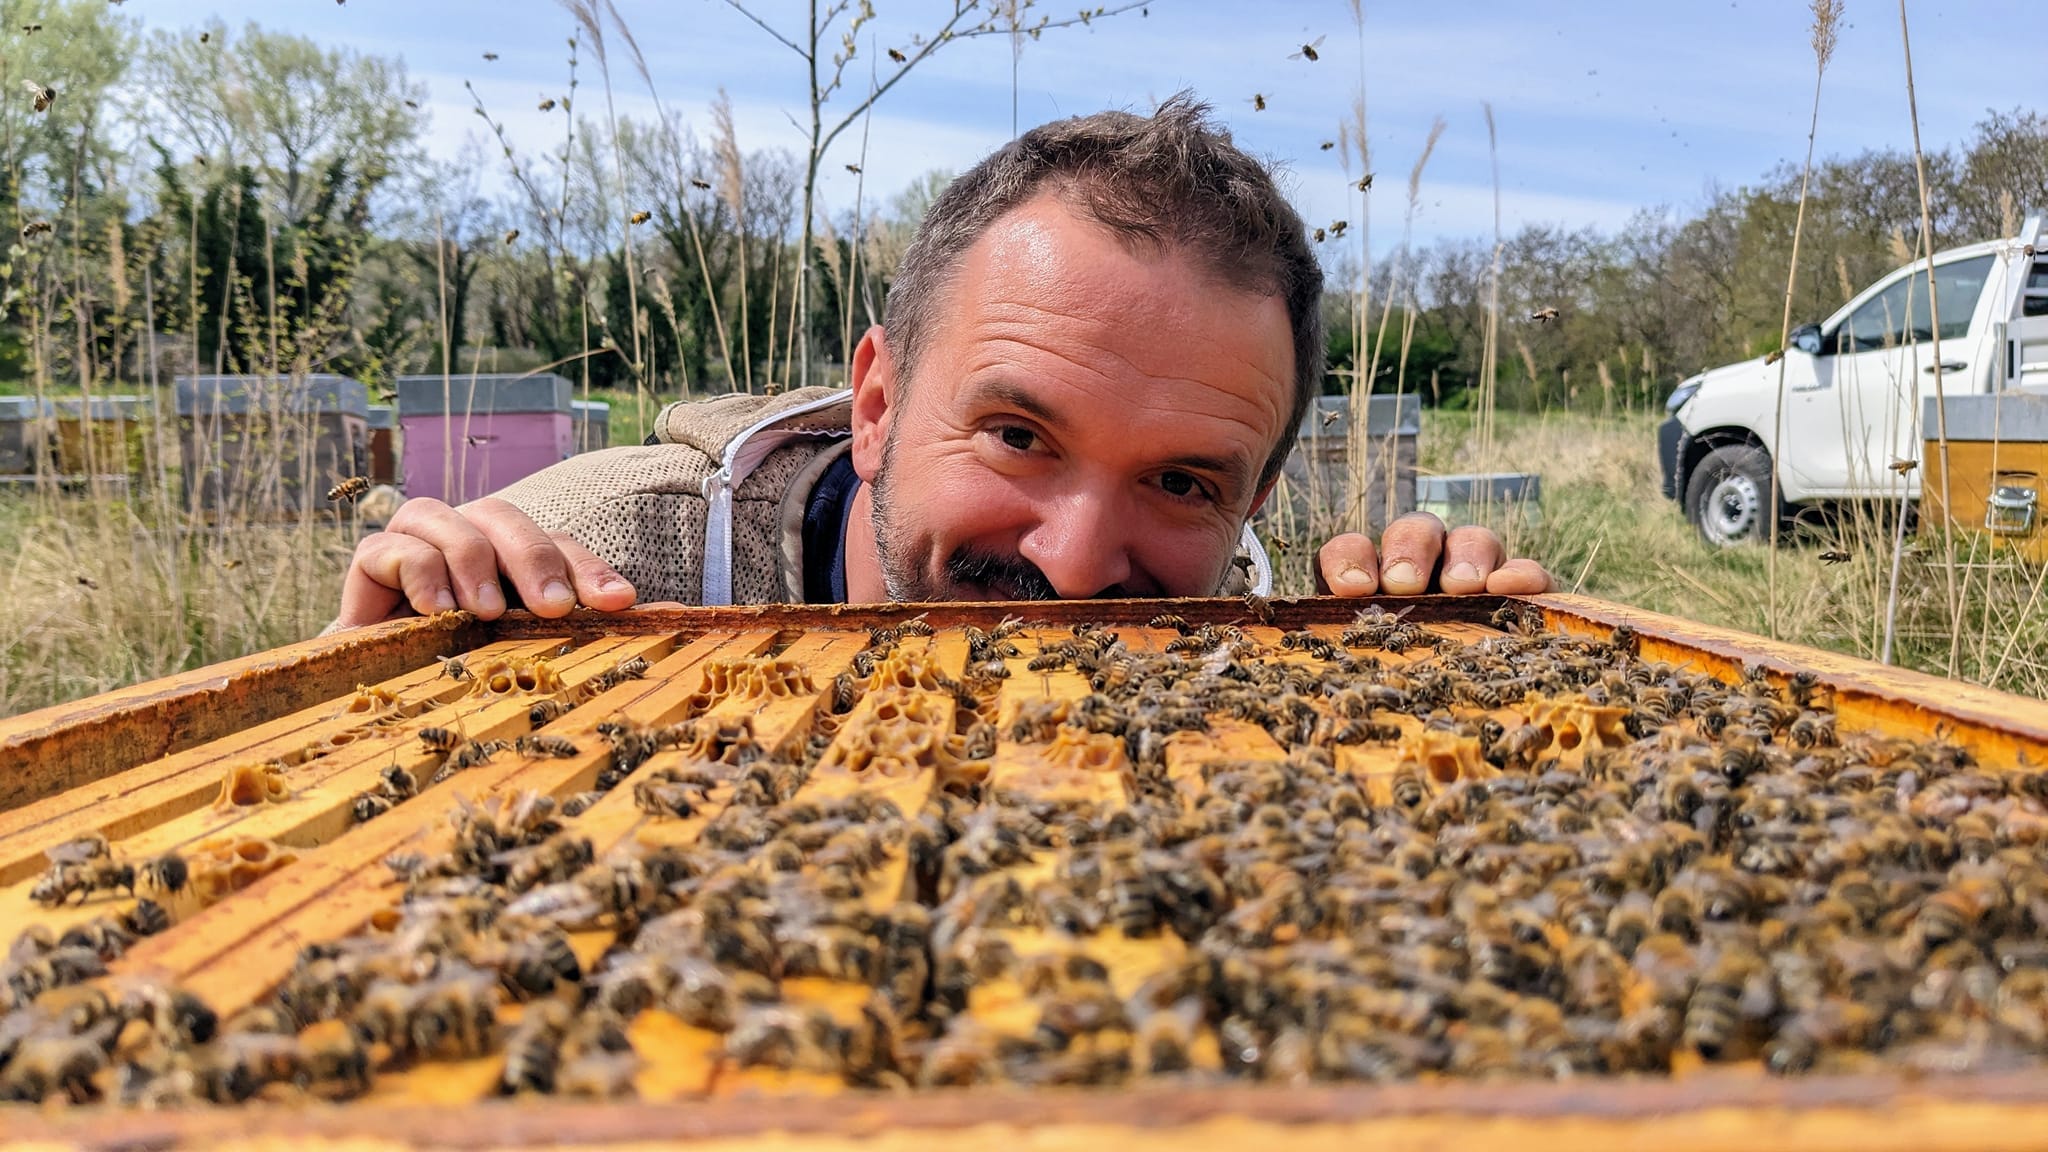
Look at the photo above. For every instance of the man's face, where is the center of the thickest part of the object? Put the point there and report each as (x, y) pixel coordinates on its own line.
(1084, 421)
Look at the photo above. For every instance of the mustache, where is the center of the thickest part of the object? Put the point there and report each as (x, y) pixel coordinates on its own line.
(1013, 577)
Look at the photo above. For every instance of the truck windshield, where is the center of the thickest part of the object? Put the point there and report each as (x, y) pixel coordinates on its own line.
(1900, 314)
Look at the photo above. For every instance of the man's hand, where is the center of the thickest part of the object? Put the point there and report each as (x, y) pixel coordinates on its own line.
(1412, 552)
(433, 558)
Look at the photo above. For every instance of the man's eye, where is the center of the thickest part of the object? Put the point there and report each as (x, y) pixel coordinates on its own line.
(1021, 439)
(1179, 484)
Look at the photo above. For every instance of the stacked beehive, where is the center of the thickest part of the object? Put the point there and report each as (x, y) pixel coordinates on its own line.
(716, 857)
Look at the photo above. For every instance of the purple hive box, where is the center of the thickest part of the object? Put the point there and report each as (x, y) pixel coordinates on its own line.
(468, 436)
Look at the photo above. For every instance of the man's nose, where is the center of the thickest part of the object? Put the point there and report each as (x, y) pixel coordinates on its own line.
(1079, 546)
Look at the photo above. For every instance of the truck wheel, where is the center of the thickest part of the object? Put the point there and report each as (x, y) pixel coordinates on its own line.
(1726, 495)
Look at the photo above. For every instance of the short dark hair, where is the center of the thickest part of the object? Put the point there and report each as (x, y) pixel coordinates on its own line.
(1169, 180)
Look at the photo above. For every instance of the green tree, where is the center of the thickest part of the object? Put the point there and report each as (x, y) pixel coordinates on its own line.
(292, 111)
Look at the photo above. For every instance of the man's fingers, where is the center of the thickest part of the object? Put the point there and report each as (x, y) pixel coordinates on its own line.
(1349, 565)
(391, 571)
(1519, 578)
(471, 558)
(527, 556)
(1471, 554)
(597, 584)
(1408, 554)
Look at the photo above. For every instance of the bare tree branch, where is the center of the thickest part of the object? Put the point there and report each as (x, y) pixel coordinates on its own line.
(785, 41)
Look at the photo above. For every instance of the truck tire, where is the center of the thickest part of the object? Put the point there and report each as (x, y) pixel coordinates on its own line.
(1726, 494)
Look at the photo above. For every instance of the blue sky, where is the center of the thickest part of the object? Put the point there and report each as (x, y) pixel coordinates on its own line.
(1603, 106)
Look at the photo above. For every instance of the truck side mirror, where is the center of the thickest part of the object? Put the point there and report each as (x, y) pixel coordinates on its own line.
(1806, 338)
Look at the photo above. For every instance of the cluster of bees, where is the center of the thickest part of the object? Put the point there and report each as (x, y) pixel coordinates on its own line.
(1535, 855)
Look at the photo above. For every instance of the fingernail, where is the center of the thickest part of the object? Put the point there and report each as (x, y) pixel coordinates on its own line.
(1400, 572)
(1354, 579)
(489, 598)
(444, 600)
(611, 581)
(1467, 573)
(556, 592)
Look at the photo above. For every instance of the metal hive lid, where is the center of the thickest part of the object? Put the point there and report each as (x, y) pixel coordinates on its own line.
(489, 393)
(240, 395)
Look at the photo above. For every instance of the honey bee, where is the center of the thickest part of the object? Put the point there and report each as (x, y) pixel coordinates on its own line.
(1260, 608)
(47, 1065)
(533, 1052)
(546, 105)
(581, 802)
(853, 168)
(454, 668)
(35, 228)
(547, 712)
(1902, 467)
(348, 490)
(334, 1059)
(556, 747)
(641, 217)
(1835, 556)
(41, 96)
(490, 56)
(511, 234)
(1543, 315)
(1337, 228)
(1258, 101)
(700, 185)
(83, 879)
(898, 56)
(1308, 51)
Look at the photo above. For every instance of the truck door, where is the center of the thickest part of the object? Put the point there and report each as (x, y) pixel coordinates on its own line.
(1860, 413)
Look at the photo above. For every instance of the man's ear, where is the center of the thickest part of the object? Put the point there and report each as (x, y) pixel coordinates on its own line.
(874, 401)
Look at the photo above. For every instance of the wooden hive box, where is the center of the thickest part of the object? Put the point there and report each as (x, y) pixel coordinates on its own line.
(143, 766)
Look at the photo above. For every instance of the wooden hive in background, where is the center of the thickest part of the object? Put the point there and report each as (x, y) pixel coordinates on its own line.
(144, 765)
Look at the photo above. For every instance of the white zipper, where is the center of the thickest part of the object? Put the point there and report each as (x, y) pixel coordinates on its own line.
(743, 454)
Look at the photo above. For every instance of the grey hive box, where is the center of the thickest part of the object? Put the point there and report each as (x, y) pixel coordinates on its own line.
(269, 446)
(1316, 470)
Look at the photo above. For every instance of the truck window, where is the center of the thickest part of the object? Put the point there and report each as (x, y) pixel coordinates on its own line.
(1900, 314)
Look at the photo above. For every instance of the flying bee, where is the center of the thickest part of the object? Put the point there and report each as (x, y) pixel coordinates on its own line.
(1337, 228)
(1773, 356)
(1835, 556)
(31, 29)
(1258, 101)
(1543, 315)
(897, 56)
(490, 55)
(700, 185)
(557, 747)
(1364, 183)
(1904, 466)
(454, 669)
(1308, 51)
(547, 105)
(42, 95)
(348, 490)
(511, 234)
(1320, 236)
(641, 217)
(1260, 607)
(1331, 417)
(35, 228)
(853, 168)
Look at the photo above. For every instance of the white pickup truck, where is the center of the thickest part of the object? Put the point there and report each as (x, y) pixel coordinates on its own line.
(1853, 390)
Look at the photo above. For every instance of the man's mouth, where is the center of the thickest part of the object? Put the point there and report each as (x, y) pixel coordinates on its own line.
(972, 575)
